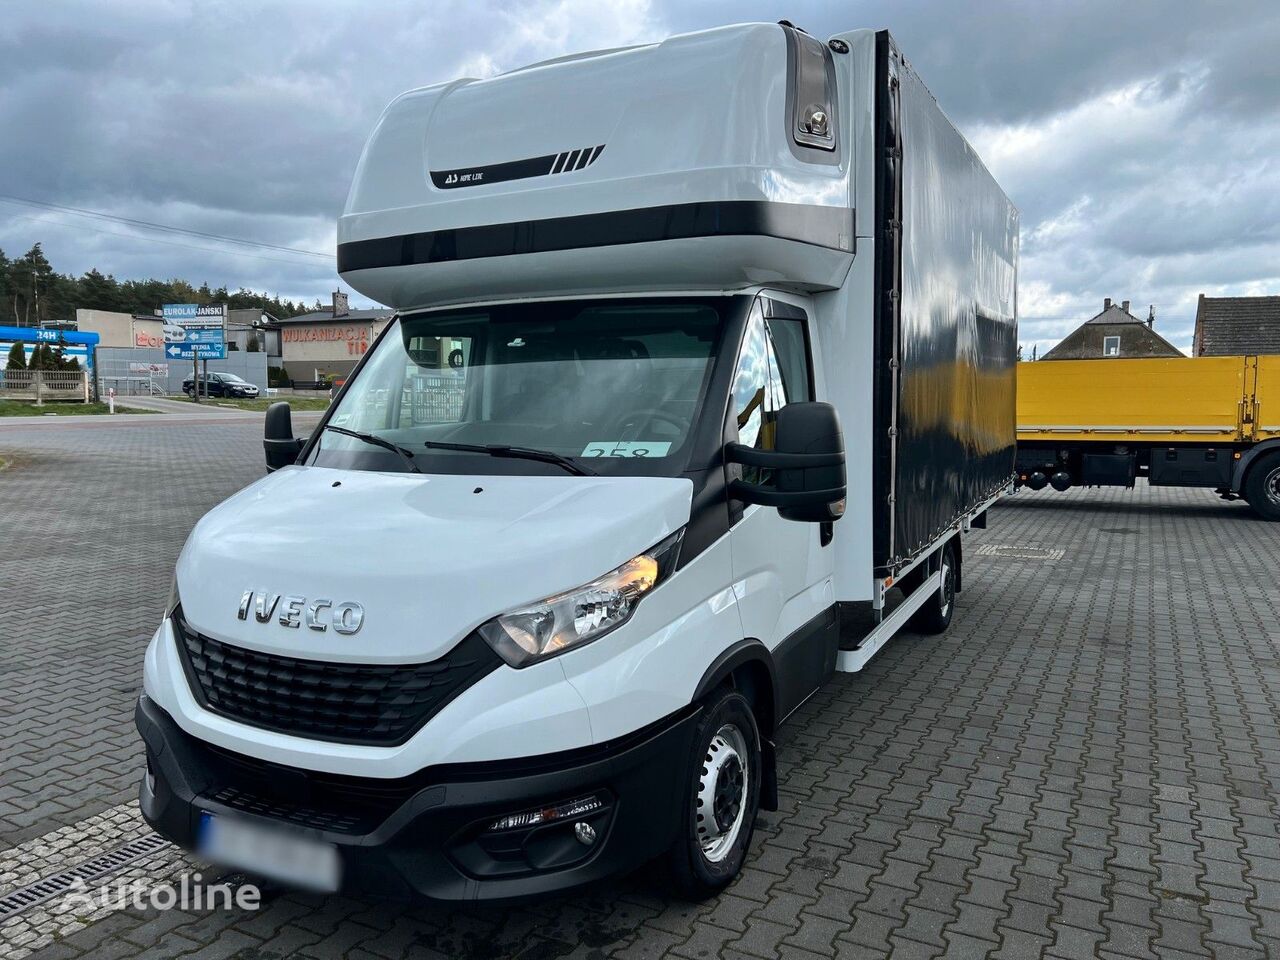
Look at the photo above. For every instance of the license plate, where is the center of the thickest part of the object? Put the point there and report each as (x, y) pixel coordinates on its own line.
(275, 854)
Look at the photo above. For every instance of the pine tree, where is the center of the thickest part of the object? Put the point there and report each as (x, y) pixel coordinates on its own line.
(17, 358)
(30, 279)
(6, 306)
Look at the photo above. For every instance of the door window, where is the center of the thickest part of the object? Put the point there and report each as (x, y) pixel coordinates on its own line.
(791, 351)
(772, 371)
(751, 387)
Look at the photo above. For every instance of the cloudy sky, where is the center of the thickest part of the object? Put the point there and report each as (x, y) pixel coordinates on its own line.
(1140, 140)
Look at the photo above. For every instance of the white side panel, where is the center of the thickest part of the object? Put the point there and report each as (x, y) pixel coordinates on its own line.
(857, 79)
(781, 575)
(843, 346)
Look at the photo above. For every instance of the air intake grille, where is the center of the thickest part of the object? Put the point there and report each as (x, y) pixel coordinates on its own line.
(373, 704)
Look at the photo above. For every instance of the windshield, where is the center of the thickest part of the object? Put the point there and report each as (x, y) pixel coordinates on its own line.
(613, 385)
(231, 378)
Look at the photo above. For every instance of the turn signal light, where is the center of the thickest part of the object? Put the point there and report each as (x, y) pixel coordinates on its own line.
(561, 811)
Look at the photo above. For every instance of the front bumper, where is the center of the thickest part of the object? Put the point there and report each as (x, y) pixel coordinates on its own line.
(425, 834)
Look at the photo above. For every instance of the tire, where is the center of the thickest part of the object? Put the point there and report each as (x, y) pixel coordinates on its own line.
(721, 798)
(935, 616)
(1262, 487)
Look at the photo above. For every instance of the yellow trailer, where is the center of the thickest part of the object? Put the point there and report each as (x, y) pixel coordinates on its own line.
(1201, 422)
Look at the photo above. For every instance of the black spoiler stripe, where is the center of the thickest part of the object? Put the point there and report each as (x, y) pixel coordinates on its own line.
(821, 226)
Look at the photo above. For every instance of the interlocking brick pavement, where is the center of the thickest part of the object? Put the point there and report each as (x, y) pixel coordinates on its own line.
(92, 520)
(1086, 765)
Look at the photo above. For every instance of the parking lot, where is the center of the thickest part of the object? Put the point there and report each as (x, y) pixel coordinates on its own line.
(1086, 765)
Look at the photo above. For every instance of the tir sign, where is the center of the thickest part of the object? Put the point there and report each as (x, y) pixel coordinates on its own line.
(319, 615)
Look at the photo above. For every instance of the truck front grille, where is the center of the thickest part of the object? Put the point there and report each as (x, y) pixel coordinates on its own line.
(372, 704)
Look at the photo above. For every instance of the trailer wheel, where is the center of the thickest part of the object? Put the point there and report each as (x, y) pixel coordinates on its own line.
(935, 615)
(1262, 487)
(722, 798)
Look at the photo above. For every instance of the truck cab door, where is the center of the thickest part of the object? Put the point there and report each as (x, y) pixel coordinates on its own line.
(782, 569)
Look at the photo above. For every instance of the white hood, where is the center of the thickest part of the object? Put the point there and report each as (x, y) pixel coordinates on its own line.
(429, 558)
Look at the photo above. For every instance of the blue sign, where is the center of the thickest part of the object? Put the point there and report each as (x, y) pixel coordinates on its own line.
(41, 335)
(75, 345)
(193, 332)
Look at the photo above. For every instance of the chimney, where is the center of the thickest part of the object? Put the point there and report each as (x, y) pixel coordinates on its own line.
(1106, 304)
(340, 308)
(1125, 306)
(1151, 317)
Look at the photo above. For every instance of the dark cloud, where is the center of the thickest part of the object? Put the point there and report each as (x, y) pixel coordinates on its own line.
(1139, 139)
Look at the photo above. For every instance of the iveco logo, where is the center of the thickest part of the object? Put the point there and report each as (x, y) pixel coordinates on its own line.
(319, 615)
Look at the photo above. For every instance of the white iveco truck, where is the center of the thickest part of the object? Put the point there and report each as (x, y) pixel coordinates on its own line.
(703, 362)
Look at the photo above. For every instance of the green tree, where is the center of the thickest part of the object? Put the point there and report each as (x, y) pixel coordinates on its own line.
(60, 359)
(32, 293)
(17, 358)
(6, 307)
(97, 292)
(29, 279)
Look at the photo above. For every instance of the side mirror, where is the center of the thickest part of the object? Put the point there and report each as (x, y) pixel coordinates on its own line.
(281, 446)
(808, 463)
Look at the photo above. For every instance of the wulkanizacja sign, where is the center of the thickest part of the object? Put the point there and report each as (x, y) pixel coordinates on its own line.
(356, 337)
(194, 332)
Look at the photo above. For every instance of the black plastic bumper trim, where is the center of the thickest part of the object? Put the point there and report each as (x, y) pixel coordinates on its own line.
(400, 842)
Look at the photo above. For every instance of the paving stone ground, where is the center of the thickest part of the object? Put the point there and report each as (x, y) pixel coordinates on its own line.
(1086, 765)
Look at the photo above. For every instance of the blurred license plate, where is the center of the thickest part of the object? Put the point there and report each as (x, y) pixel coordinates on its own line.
(275, 854)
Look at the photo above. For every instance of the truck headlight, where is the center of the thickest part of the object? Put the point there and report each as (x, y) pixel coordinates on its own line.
(577, 617)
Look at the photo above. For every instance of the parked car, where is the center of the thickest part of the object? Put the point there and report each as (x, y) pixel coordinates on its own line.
(222, 385)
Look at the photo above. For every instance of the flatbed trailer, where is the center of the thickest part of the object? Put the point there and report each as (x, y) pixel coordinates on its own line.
(1210, 422)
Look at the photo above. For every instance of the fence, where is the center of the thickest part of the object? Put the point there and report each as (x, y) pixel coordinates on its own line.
(114, 371)
(436, 399)
(133, 385)
(42, 385)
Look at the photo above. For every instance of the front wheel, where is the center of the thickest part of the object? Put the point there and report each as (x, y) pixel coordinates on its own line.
(935, 615)
(1262, 487)
(721, 799)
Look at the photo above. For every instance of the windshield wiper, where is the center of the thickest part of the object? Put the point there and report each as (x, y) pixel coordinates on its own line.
(404, 454)
(515, 453)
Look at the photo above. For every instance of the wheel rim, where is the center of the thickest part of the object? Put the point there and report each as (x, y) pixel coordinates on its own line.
(948, 589)
(1271, 486)
(721, 801)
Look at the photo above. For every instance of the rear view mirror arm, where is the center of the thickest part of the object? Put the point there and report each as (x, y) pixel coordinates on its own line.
(770, 497)
(751, 457)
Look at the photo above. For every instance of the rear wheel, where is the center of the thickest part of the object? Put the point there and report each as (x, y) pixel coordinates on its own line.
(721, 798)
(1262, 487)
(935, 615)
